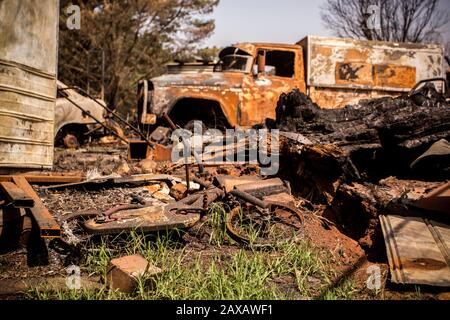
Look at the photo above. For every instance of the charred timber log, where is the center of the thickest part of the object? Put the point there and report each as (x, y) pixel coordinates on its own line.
(381, 137)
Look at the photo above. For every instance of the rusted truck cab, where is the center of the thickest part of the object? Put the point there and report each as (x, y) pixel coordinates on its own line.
(241, 91)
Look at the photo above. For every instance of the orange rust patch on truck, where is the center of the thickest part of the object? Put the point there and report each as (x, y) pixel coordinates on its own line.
(356, 55)
(395, 76)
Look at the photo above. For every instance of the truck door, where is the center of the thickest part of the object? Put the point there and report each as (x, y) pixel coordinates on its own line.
(261, 90)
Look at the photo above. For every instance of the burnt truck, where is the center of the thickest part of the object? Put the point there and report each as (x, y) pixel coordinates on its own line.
(243, 88)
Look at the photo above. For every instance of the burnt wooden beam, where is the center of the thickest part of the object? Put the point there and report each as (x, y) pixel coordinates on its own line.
(15, 195)
(43, 179)
(48, 227)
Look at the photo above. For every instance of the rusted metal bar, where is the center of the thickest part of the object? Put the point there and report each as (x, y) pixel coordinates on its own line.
(15, 195)
(169, 122)
(41, 179)
(202, 183)
(102, 182)
(48, 227)
(250, 199)
(186, 144)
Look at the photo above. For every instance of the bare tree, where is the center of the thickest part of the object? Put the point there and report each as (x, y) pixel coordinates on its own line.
(386, 20)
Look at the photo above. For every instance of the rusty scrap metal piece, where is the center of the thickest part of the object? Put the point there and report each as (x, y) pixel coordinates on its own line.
(418, 250)
(47, 225)
(188, 180)
(15, 195)
(263, 188)
(228, 183)
(250, 199)
(183, 214)
(148, 219)
(162, 153)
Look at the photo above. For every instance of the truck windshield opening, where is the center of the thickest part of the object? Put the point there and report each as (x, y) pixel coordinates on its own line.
(239, 63)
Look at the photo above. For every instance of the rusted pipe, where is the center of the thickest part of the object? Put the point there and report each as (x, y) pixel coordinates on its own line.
(250, 199)
(186, 144)
(188, 180)
(114, 210)
(261, 62)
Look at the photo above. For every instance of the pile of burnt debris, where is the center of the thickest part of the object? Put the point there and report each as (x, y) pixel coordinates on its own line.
(377, 171)
(379, 168)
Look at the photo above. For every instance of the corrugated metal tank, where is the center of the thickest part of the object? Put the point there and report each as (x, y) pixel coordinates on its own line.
(28, 66)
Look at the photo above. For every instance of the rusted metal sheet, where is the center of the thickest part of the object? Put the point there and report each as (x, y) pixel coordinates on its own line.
(48, 226)
(67, 113)
(418, 250)
(342, 71)
(28, 62)
(16, 196)
(228, 183)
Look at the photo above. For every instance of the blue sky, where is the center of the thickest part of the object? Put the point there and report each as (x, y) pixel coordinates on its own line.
(285, 21)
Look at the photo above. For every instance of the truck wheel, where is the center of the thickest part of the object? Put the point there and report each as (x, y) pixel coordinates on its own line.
(71, 141)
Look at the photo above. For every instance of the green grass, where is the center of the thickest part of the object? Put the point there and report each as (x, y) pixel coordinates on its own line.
(230, 273)
(346, 291)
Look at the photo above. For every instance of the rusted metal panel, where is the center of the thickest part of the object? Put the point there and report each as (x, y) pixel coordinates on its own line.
(344, 67)
(245, 99)
(28, 63)
(418, 250)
